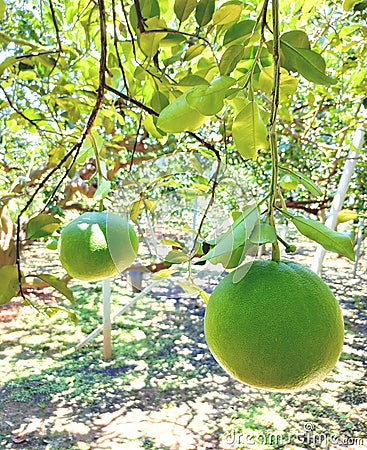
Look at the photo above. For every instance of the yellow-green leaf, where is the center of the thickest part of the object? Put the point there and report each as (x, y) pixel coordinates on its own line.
(41, 226)
(328, 238)
(249, 131)
(345, 215)
(228, 13)
(9, 283)
(183, 9)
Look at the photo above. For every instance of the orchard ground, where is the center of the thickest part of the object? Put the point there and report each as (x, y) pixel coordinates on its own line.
(163, 389)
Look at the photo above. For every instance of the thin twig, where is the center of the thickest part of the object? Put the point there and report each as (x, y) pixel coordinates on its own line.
(115, 44)
(139, 15)
(135, 143)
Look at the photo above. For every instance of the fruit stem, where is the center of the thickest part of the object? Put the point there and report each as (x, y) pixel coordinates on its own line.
(275, 253)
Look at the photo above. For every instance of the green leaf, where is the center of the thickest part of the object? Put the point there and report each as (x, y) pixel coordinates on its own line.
(41, 226)
(348, 5)
(159, 101)
(312, 187)
(171, 243)
(263, 233)
(149, 8)
(149, 42)
(164, 273)
(318, 232)
(183, 9)
(298, 57)
(239, 33)
(9, 283)
(204, 12)
(57, 284)
(2, 9)
(345, 215)
(204, 100)
(227, 14)
(193, 51)
(176, 257)
(51, 310)
(190, 288)
(205, 296)
(230, 58)
(135, 209)
(236, 236)
(103, 189)
(249, 131)
(6, 63)
(180, 116)
(288, 84)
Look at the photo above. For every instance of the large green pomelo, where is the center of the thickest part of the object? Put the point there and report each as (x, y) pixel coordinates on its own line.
(97, 245)
(278, 328)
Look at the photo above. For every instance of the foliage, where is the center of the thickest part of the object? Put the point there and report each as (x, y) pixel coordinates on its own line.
(91, 94)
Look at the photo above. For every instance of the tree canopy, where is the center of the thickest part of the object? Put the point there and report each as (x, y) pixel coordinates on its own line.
(152, 98)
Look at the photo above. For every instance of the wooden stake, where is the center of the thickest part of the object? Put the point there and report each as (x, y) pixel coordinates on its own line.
(107, 342)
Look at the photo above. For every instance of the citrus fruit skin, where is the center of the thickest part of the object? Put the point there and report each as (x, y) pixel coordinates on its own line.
(279, 328)
(97, 245)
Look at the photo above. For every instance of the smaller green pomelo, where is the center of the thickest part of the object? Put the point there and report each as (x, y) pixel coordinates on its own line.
(278, 328)
(97, 245)
(288, 182)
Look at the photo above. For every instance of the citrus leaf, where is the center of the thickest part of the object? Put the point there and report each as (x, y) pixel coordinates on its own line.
(230, 58)
(51, 310)
(249, 131)
(298, 57)
(41, 226)
(318, 232)
(193, 51)
(312, 187)
(176, 257)
(348, 5)
(150, 204)
(180, 116)
(239, 33)
(183, 9)
(149, 42)
(9, 283)
(205, 296)
(191, 288)
(263, 233)
(227, 14)
(2, 9)
(164, 273)
(103, 189)
(57, 284)
(171, 243)
(236, 236)
(6, 63)
(345, 215)
(205, 101)
(204, 12)
(135, 209)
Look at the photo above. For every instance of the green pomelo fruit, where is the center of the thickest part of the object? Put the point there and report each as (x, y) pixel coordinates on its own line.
(278, 328)
(97, 245)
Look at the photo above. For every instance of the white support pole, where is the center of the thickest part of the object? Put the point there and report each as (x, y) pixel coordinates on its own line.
(107, 341)
(338, 200)
(98, 330)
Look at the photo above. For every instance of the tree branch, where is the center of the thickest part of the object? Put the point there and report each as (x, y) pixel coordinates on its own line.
(75, 149)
